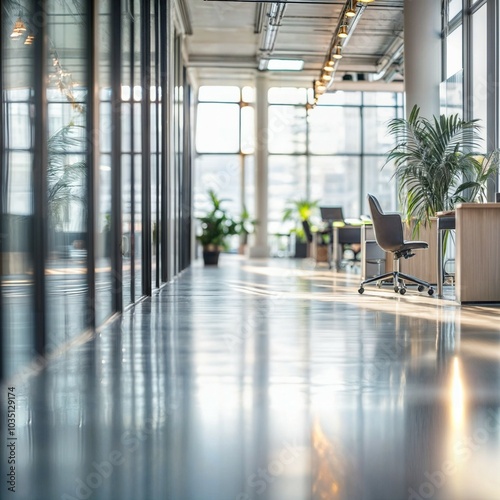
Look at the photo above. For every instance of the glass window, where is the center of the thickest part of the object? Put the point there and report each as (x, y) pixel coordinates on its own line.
(104, 276)
(375, 121)
(287, 181)
(248, 94)
(376, 179)
(341, 97)
(334, 129)
(218, 128)
(66, 279)
(247, 129)
(220, 173)
(454, 61)
(287, 95)
(287, 129)
(219, 94)
(454, 8)
(479, 69)
(335, 181)
(16, 218)
(379, 98)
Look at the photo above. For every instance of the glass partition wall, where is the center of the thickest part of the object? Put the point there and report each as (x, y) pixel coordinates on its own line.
(85, 150)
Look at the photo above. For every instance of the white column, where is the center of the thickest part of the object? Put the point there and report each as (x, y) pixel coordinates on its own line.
(261, 248)
(422, 55)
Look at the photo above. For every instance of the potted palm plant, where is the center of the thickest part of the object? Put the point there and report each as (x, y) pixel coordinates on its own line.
(215, 227)
(437, 165)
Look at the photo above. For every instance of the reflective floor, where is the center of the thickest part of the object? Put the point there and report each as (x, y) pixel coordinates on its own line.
(267, 380)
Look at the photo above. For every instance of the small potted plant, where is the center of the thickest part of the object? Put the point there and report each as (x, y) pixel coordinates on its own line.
(298, 211)
(215, 227)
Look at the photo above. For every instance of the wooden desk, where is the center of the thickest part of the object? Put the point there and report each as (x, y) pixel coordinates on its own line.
(477, 252)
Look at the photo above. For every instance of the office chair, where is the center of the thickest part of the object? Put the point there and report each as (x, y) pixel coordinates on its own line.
(388, 229)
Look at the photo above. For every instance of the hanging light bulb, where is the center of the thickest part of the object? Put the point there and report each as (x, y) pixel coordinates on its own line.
(351, 11)
(19, 29)
(338, 52)
(343, 31)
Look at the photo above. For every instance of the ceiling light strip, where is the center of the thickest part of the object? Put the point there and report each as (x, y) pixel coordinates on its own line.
(345, 27)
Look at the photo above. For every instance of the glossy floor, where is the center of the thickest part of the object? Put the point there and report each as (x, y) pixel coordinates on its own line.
(267, 380)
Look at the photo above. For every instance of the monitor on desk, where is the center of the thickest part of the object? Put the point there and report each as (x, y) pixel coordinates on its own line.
(332, 214)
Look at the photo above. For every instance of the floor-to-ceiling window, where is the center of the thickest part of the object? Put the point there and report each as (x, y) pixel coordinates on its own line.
(471, 68)
(103, 265)
(333, 152)
(67, 170)
(479, 71)
(17, 185)
(224, 146)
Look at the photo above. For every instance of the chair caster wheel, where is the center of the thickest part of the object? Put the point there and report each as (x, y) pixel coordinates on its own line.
(402, 290)
(421, 288)
(361, 290)
(430, 291)
(396, 289)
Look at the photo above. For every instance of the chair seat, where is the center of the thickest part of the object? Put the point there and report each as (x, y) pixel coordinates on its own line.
(413, 245)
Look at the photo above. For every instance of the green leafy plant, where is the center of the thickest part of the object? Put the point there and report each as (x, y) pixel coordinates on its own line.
(216, 225)
(298, 211)
(437, 164)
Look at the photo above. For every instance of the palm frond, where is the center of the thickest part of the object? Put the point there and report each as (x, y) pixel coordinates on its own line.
(436, 163)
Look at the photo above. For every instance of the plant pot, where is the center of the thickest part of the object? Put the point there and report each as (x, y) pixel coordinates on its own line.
(300, 250)
(211, 257)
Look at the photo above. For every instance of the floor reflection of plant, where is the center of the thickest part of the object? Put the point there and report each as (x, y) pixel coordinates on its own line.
(65, 181)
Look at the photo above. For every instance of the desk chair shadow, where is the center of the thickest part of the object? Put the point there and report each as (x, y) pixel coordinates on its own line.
(388, 229)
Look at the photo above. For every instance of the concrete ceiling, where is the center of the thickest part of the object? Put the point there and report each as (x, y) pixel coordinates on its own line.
(228, 37)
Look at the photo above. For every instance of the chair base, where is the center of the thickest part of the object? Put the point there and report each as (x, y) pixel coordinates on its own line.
(398, 281)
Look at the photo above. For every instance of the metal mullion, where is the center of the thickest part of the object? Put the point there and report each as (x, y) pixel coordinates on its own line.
(92, 156)
(40, 157)
(116, 164)
(362, 152)
(164, 74)
(132, 153)
(186, 202)
(159, 151)
(146, 145)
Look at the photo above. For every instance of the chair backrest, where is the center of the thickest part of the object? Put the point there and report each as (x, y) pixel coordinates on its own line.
(332, 214)
(388, 228)
(307, 231)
